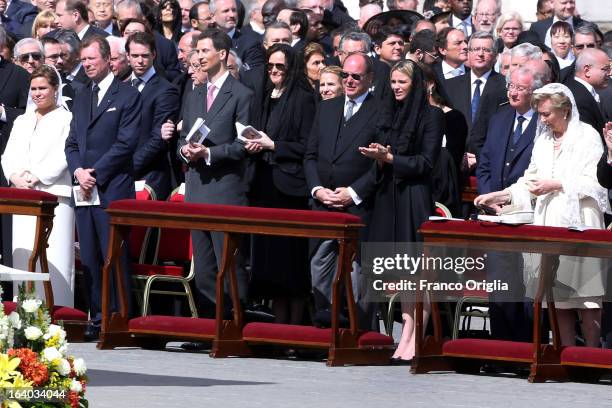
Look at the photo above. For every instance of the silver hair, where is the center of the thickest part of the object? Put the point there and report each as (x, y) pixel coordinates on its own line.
(483, 35)
(498, 6)
(585, 29)
(212, 6)
(26, 41)
(129, 4)
(120, 41)
(239, 63)
(357, 36)
(527, 50)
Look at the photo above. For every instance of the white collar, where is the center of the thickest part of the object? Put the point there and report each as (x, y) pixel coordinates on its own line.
(256, 28)
(588, 86)
(358, 100)
(295, 41)
(447, 69)
(232, 33)
(104, 85)
(484, 77)
(74, 72)
(527, 115)
(81, 33)
(457, 21)
(219, 82)
(109, 28)
(146, 77)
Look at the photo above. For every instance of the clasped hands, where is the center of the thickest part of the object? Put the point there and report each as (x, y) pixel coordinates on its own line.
(24, 179)
(339, 198)
(195, 151)
(86, 180)
(497, 199)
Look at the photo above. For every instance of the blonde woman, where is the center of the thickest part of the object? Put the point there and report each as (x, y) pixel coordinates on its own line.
(45, 21)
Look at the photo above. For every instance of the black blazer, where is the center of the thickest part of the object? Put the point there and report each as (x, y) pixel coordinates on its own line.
(166, 58)
(290, 130)
(14, 86)
(160, 102)
(334, 162)
(606, 102)
(93, 30)
(587, 106)
(567, 73)
(492, 97)
(18, 14)
(249, 49)
(541, 27)
(604, 171)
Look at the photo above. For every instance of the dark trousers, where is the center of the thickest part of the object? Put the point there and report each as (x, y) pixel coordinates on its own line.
(207, 257)
(93, 231)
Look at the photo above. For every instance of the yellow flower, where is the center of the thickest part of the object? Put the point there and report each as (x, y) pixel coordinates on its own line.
(7, 367)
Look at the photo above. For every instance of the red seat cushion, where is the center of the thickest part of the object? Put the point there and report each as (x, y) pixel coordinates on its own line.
(532, 231)
(59, 312)
(150, 270)
(231, 211)
(587, 356)
(489, 349)
(174, 325)
(25, 194)
(314, 336)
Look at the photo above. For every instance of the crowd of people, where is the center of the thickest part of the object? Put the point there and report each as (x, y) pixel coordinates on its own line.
(381, 117)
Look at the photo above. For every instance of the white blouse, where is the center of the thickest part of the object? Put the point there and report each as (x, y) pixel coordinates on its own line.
(39, 149)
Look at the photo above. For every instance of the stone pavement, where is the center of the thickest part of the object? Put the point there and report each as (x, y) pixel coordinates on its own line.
(141, 378)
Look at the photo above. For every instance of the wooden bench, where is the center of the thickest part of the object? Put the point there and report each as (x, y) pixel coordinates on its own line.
(233, 337)
(42, 206)
(546, 361)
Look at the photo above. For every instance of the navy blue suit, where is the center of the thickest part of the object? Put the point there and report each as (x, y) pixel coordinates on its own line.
(492, 157)
(498, 168)
(18, 14)
(104, 140)
(160, 102)
(249, 49)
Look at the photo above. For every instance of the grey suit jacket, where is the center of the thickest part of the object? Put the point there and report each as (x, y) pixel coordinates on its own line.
(221, 182)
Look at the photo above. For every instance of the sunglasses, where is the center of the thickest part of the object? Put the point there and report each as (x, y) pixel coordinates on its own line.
(36, 56)
(279, 67)
(356, 77)
(582, 46)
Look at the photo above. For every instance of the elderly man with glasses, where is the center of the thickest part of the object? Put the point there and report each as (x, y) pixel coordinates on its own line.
(28, 54)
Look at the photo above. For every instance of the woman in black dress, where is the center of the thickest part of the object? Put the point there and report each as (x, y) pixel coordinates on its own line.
(280, 265)
(404, 199)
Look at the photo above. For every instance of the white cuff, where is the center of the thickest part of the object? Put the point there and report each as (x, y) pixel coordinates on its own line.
(207, 159)
(314, 190)
(356, 199)
(3, 114)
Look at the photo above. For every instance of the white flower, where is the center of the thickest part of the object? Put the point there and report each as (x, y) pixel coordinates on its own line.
(33, 333)
(63, 367)
(31, 305)
(53, 330)
(79, 366)
(51, 353)
(14, 320)
(76, 386)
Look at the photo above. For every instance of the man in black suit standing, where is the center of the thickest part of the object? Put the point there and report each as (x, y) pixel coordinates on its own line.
(585, 37)
(215, 172)
(339, 178)
(504, 158)
(592, 73)
(461, 16)
(479, 93)
(249, 48)
(563, 10)
(256, 27)
(453, 48)
(160, 102)
(73, 15)
(99, 151)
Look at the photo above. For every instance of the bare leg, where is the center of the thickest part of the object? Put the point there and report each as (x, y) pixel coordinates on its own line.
(567, 326)
(591, 326)
(407, 344)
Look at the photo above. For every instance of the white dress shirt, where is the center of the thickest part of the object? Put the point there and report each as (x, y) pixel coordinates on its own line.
(81, 33)
(144, 78)
(459, 24)
(104, 85)
(527, 115)
(589, 88)
(450, 72)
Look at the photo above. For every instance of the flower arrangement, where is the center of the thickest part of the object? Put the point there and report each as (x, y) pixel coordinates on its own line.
(35, 370)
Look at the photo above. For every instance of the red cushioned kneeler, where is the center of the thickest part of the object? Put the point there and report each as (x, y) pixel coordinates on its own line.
(306, 335)
(59, 312)
(174, 326)
(25, 194)
(587, 357)
(489, 350)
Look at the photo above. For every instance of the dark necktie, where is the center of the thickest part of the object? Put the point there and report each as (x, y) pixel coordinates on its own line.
(476, 100)
(519, 130)
(136, 82)
(349, 110)
(94, 98)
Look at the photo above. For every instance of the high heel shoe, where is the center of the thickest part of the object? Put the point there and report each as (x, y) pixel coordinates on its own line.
(397, 361)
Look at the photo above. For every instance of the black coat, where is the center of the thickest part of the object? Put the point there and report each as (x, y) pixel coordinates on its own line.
(587, 106)
(604, 171)
(606, 102)
(18, 14)
(404, 199)
(249, 48)
(166, 58)
(332, 162)
(160, 102)
(492, 97)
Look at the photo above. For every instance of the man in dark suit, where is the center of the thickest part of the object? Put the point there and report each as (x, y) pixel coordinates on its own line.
(166, 59)
(69, 64)
(605, 96)
(160, 102)
(592, 73)
(585, 37)
(504, 158)
(215, 167)
(73, 15)
(255, 28)
(479, 93)
(249, 48)
(453, 49)
(339, 177)
(16, 15)
(297, 21)
(99, 150)
(461, 16)
(563, 10)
